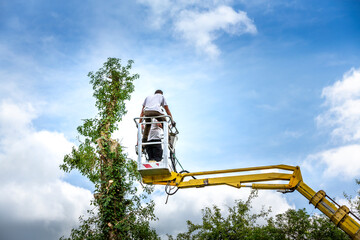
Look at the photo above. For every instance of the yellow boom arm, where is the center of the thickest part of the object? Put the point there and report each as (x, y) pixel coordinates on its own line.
(262, 179)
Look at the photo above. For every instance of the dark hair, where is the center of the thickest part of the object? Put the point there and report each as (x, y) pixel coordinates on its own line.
(158, 91)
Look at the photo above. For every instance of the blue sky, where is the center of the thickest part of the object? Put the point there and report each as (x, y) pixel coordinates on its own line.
(249, 83)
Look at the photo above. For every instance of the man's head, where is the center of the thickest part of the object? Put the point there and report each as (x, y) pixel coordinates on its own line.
(159, 91)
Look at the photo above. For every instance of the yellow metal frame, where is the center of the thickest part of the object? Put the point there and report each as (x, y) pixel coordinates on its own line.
(262, 180)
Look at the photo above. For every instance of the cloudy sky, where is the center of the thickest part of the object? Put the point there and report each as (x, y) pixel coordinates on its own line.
(249, 83)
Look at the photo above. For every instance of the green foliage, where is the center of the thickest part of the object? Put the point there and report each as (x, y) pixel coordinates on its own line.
(298, 225)
(354, 202)
(120, 212)
(323, 228)
(291, 225)
(240, 223)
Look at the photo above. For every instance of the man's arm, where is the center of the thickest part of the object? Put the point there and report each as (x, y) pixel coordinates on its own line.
(141, 114)
(166, 107)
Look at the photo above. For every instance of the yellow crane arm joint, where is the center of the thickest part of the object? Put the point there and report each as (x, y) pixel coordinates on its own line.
(340, 214)
(317, 198)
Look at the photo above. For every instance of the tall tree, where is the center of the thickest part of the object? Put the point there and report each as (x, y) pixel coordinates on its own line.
(120, 213)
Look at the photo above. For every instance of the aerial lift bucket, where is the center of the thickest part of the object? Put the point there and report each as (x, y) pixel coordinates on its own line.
(167, 141)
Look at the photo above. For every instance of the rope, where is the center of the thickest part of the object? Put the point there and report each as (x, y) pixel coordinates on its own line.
(183, 170)
(177, 160)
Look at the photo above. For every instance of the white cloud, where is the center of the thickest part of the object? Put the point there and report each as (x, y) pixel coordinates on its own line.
(341, 161)
(159, 9)
(13, 115)
(32, 192)
(293, 134)
(343, 102)
(186, 204)
(50, 201)
(199, 23)
(202, 28)
(343, 119)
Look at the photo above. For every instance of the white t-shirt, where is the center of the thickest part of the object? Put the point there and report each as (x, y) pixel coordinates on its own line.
(154, 102)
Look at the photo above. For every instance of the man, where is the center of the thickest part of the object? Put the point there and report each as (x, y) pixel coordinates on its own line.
(155, 151)
(152, 107)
